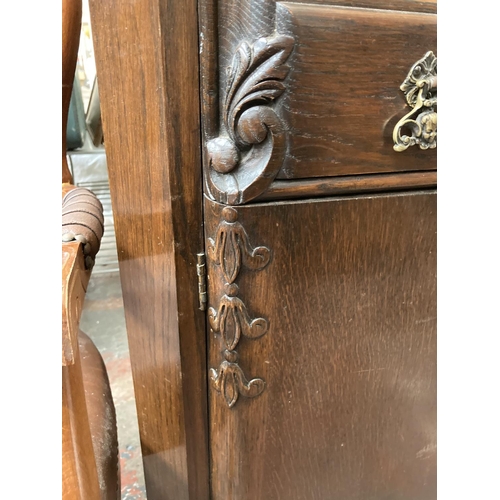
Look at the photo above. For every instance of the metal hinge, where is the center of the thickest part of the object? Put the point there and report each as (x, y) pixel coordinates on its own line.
(201, 271)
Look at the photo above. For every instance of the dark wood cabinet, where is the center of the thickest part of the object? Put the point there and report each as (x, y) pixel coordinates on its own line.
(273, 175)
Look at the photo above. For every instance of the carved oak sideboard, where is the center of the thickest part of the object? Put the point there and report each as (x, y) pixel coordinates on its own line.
(273, 176)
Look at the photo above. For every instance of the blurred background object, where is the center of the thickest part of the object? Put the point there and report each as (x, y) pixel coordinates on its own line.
(102, 317)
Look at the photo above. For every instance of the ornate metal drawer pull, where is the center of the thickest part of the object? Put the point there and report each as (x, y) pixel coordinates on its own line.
(420, 88)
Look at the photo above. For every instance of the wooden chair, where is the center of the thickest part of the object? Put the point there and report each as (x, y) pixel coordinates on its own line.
(90, 462)
(89, 436)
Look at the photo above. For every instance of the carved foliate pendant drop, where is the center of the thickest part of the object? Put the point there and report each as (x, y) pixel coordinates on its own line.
(230, 251)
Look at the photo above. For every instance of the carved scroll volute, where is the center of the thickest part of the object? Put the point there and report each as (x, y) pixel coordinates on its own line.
(230, 251)
(249, 151)
(420, 88)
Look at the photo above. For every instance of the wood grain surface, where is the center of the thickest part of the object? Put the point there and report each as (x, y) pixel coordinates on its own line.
(75, 279)
(79, 472)
(429, 6)
(349, 358)
(221, 24)
(147, 62)
(343, 97)
(349, 184)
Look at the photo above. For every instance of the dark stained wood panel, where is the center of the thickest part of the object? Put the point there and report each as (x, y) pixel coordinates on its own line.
(349, 184)
(349, 358)
(343, 98)
(147, 61)
(429, 6)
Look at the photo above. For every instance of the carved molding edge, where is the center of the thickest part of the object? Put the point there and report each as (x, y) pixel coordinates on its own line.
(249, 151)
(231, 250)
(420, 88)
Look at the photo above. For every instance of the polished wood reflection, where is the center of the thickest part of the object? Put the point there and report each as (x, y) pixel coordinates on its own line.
(147, 61)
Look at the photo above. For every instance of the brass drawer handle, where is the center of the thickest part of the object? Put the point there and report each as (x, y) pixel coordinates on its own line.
(420, 88)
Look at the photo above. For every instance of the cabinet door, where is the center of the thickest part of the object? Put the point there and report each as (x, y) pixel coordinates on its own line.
(322, 345)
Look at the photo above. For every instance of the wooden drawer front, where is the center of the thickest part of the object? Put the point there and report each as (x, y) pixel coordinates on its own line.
(343, 97)
(336, 307)
(313, 91)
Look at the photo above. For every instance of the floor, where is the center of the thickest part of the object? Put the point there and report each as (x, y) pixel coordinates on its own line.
(104, 321)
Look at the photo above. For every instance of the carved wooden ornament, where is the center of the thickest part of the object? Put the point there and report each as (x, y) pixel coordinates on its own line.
(248, 153)
(230, 251)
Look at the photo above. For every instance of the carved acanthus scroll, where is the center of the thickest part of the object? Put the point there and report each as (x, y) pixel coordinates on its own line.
(231, 250)
(248, 153)
(420, 88)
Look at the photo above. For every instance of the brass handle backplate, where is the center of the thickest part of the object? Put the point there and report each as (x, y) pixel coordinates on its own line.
(420, 88)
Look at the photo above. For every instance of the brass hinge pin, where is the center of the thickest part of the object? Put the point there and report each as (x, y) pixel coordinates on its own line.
(201, 271)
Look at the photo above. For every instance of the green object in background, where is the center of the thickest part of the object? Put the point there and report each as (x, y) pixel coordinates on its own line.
(75, 131)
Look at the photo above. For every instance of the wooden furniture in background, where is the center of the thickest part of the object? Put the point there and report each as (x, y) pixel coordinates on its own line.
(310, 372)
(79, 472)
(90, 461)
(89, 435)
